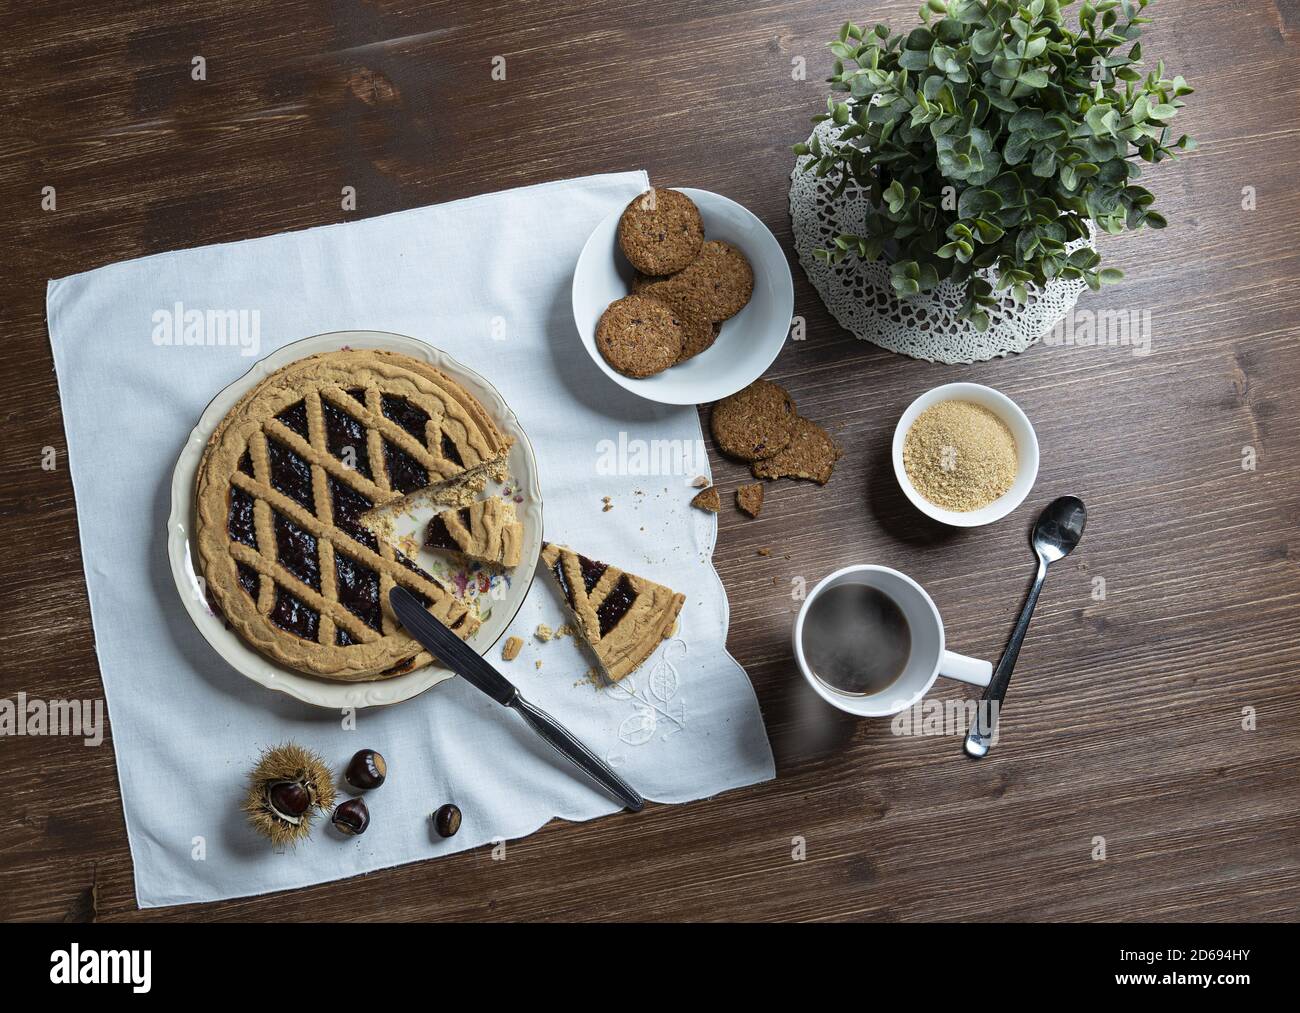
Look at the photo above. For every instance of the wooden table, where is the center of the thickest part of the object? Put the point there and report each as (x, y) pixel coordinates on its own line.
(1125, 722)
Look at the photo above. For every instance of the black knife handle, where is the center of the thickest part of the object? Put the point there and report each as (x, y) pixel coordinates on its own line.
(562, 741)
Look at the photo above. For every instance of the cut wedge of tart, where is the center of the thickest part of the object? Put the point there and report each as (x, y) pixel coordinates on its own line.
(485, 530)
(621, 616)
(284, 489)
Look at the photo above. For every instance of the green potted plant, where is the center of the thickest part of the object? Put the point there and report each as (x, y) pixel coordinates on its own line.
(989, 137)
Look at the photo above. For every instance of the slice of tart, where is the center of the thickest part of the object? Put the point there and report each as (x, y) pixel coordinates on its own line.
(485, 530)
(621, 616)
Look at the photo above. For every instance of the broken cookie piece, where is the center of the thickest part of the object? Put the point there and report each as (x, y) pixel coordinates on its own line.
(511, 650)
(810, 454)
(708, 500)
(750, 498)
(754, 423)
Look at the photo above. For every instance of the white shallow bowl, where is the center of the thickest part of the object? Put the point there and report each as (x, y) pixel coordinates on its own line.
(322, 692)
(749, 341)
(1026, 453)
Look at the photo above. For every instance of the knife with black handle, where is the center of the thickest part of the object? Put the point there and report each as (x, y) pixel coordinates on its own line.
(479, 673)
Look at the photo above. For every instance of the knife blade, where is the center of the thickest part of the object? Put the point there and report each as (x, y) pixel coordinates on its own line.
(479, 673)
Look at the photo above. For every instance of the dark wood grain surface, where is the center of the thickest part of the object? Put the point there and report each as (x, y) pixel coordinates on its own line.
(1125, 721)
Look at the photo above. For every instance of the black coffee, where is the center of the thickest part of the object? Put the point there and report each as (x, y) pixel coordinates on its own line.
(856, 639)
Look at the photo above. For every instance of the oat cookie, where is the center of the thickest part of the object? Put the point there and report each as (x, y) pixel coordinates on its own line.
(661, 232)
(716, 284)
(698, 332)
(811, 454)
(639, 336)
(754, 423)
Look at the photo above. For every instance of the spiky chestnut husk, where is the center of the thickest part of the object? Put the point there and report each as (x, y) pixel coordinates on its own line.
(289, 764)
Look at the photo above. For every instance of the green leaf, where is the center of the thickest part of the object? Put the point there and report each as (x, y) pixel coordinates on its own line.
(911, 59)
(895, 196)
(1100, 119)
(985, 41)
(1026, 119)
(974, 201)
(1017, 148)
(1006, 69)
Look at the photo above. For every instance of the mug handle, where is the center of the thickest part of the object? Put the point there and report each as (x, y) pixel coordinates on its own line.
(957, 666)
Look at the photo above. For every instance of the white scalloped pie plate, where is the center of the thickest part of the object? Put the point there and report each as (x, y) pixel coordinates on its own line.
(262, 670)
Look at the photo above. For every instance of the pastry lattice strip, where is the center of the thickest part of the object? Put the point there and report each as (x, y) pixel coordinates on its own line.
(319, 521)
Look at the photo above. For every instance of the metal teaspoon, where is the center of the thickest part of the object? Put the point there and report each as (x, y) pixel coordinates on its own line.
(1057, 532)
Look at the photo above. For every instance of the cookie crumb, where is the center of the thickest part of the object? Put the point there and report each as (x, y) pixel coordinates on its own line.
(708, 499)
(565, 630)
(537, 663)
(750, 498)
(511, 649)
(608, 504)
(543, 632)
(700, 482)
(765, 551)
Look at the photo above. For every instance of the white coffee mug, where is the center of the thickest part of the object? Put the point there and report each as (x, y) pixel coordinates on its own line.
(928, 658)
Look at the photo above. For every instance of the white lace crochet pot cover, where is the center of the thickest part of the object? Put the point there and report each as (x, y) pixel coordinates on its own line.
(859, 295)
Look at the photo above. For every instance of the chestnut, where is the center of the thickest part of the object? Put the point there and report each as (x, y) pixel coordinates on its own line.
(289, 799)
(366, 770)
(351, 817)
(447, 820)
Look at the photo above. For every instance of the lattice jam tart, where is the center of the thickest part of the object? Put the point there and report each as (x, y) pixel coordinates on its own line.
(282, 490)
(621, 616)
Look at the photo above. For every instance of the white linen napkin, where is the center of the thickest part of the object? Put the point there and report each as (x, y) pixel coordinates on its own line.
(487, 279)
